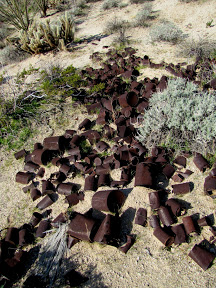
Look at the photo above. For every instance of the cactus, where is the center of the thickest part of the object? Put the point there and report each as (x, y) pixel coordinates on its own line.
(46, 37)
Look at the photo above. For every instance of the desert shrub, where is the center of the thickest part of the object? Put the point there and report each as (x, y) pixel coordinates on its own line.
(181, 117)
(45, 37)
(116, 25)
(108, 4)
(11, 54)
(166, 31)
(202, 48)
(139, 1)
(144, 15)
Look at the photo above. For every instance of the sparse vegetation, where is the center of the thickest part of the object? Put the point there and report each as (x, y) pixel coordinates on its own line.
(108, 4)
(144, 15)
(179, 118)
(11, 54)
(118, 26)
(166, 31)
(203, 47)
(139, 1)
(188, 1)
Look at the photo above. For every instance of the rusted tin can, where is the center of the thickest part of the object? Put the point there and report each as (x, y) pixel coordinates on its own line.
(72, 199)
(38, 146)
(47, 201)
(12, 235)
(29, 187)
(182, 188)
(67, 188)
(82, 228)
(41, 156)
(204, 221)
(102, 146)
(85, 124)
(188, 224)
(165, 216)
(143, 175)
(31, 167)
(41, 172)
(175, 207)
(141, 217)
(154, 221)
(35, 194)
(35, 219)
(210, 186)
(64, 168)
(54, 143)
(154, 200)
(200, 162)
(105, 231)
(43, 226)
(180, 236)
(24, 178)
(90, 183)
(163, 237)
(125, 247)
(108, 200)
(201, 256)
(47, 187)
(168, 170)
(57, 177)
(71, 241)
(69, 133)
(20, 154)
(61, 218)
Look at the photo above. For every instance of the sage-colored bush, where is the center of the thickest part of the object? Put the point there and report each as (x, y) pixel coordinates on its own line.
(11, 54)
(108, 4)
(166, 31)
(144, 15)
(181, 117)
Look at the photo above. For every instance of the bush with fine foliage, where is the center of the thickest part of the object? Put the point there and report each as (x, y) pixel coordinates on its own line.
(139, 1)
(144, 15)
(108, 4)
(11, 54)
(181, 117)
(166, 31)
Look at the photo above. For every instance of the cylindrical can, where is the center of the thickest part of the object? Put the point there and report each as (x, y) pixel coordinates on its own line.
(108, 200)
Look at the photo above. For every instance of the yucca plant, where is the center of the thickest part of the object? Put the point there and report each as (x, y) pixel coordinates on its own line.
(16, 13)
(43, 6)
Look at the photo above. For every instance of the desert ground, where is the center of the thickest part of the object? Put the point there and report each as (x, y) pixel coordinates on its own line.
(147, 263)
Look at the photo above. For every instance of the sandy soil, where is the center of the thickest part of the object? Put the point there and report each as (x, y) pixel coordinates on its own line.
(147, 263)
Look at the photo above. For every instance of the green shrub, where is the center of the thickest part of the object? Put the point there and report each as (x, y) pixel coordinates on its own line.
(166, 31)
(181, 117)
(144, 15)
(108, 4)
